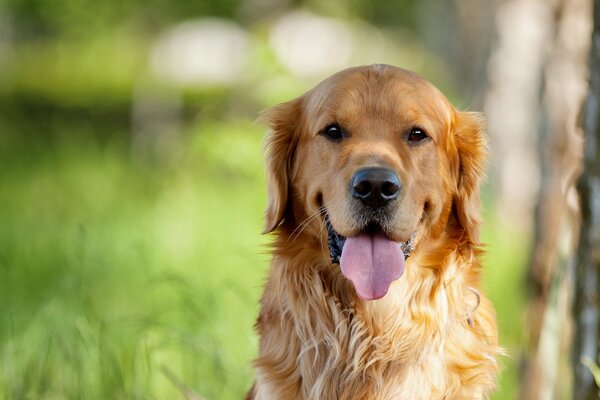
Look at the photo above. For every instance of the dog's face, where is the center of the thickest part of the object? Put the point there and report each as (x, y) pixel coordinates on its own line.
(381, 157)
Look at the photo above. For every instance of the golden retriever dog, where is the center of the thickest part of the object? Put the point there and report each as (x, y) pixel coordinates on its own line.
(373, 291)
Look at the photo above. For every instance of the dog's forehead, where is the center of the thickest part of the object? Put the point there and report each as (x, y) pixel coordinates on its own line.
(375, 92)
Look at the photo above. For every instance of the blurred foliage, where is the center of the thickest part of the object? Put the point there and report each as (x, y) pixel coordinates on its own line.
(110, 272)
(46, 19)
(594, 369)
(37, 19)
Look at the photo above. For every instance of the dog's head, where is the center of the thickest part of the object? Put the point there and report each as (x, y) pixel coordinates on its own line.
(379, 156)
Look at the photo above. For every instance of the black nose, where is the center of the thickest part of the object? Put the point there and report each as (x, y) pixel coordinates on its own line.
(375, 187)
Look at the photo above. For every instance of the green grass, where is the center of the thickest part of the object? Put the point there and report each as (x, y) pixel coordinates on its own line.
(113, 273)
(503, 281)
(109, 272)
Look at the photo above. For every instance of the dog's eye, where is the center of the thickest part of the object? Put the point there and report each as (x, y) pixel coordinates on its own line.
(333, 132)
(416, 135)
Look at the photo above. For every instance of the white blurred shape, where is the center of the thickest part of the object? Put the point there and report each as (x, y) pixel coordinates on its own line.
(307, 44)
(206, 51)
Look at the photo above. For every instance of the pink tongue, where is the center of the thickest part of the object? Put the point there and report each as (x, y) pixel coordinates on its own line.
(372, 263)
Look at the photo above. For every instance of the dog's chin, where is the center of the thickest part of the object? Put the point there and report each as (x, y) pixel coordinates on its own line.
(336, 240)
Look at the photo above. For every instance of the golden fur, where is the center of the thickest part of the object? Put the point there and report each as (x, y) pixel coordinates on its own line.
(433, 336)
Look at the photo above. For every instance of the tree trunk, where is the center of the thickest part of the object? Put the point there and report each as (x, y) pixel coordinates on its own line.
(512, 106)
(586, 307)
(550, 274)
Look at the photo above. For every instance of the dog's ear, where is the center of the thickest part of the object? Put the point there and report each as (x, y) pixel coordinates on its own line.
(283, 121)
(469, 138)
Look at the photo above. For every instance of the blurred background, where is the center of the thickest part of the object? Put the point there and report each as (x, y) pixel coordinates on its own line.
(132, 188)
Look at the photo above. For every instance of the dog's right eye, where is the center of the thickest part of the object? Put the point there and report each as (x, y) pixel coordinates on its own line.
(333, 132)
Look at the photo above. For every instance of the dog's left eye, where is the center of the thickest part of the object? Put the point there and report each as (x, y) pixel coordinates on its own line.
(416, 135)
(333, 132)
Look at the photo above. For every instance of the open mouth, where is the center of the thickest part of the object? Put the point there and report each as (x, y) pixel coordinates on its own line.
(370, 260)
(336, 242)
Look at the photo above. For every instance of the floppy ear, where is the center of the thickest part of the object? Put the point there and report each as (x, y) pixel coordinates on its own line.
(283, 121)
(471, 146)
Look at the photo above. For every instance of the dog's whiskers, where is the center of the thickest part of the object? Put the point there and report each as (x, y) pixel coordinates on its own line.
(304, 224)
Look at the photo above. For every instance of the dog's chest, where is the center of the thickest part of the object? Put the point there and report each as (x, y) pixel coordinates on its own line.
(402, 362)
(426, 378)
